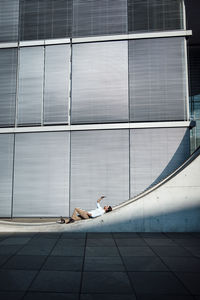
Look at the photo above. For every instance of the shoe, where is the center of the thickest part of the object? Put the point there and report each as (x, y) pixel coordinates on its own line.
(61, 221)
(71, 221)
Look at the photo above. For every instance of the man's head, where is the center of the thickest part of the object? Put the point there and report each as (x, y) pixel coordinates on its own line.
(107, 208)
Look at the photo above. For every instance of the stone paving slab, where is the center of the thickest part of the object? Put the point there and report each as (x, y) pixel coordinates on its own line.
(168, 251)
(16, 280)
(50, 296)
(144, 263)
(11, 295)
(103, 264)
(64, 263)
(157, 283)
(24, 262)
(57, 281)
(106, 282)
(107, 297)
(87, 266)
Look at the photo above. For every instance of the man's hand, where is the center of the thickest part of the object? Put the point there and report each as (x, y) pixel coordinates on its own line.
(100, 199)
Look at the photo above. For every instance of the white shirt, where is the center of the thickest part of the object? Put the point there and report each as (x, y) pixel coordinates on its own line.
(99, 211)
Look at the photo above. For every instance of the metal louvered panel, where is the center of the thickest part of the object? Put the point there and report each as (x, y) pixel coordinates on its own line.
(45, 19)
(61, 18)
(41, 174)
(57, 72)
(99, 165)
(9, 19)
(100, 82)
(8, 74)
(94, 17)
(156, 153)
(30, 20)
(154, 15)
(31, 73)
(157, 76)
(6, 171)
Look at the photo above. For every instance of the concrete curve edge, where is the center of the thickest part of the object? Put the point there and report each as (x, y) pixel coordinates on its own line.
(173, 205)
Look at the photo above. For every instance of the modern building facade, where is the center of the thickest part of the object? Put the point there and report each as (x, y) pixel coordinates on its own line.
(94, 99)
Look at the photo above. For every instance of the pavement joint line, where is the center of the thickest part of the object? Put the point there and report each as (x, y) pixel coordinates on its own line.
(82, 269)
(38, 271)
(170, 271)
(126, 271)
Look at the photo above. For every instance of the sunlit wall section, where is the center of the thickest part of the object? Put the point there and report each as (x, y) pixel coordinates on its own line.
(154, 15)
(9, 19)
(100, 82)
(94, 17)
(41, 178)
(6, 173)
(99, 165)
(154, 154)
(31, 81)
(157, 75)
(56, 92)
(8, 82)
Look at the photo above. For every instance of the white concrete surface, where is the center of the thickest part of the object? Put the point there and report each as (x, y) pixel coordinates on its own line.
(173, 205)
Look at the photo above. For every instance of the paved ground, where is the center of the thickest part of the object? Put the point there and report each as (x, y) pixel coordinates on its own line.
(117, 266)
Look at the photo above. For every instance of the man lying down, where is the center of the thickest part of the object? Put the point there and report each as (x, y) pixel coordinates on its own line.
(80, 214)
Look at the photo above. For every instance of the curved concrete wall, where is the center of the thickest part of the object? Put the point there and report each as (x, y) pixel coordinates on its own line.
(171, 206)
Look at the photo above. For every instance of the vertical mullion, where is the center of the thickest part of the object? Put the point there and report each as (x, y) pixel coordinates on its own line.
(13, 175)
(70, 168)
(17, 85)
(43, 93)
(186, 105)
(70, 85)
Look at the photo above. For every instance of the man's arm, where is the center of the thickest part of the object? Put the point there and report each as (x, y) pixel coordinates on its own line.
(99, 200)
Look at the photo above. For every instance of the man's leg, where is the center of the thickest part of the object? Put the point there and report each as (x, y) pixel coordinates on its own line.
(81, 212)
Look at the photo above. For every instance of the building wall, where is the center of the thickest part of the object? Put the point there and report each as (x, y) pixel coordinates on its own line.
(75, 63)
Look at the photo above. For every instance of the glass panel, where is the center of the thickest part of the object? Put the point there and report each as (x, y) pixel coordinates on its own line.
(31, 73)
(56, 94)
(45, 19)
(154, 15)
(157, 79)
(94, 17)
(99, 165)
(8, 74)
(41, 186)
(6, 171)
(100, 82)
(9, 18)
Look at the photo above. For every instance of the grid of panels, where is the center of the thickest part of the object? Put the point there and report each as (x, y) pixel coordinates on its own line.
(100, 82)
(99, 165)
(41, 185)
(154, 15)
(9, 18)
(94, 17)
(45, 19)
(157, 77)
(56, 92)
(48, 19)
(8, 81)
(154, 154)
